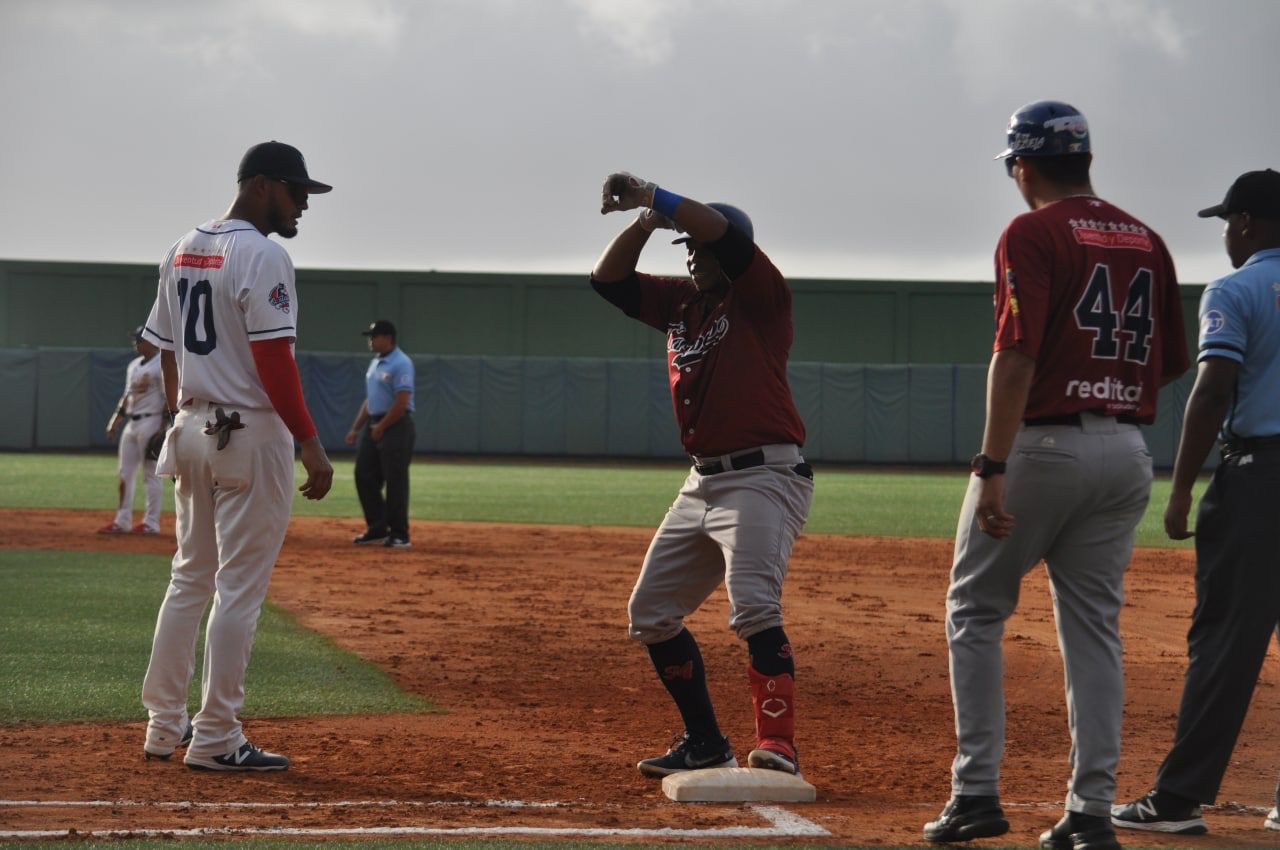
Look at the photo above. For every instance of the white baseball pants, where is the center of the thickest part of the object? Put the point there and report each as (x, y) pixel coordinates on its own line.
(132, 454)
(233, 510)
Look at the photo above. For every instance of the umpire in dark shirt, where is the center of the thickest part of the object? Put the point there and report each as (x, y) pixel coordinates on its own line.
(383, 435)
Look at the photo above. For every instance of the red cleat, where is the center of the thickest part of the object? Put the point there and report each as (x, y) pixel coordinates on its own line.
(112, 528)
(141, 528)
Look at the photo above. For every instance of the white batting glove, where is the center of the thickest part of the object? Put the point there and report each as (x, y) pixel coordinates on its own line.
(651, 220)
(623, 191)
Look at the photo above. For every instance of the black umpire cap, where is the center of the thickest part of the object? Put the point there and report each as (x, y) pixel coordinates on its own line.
(281, 161)
(380, 328)
(1254, 192)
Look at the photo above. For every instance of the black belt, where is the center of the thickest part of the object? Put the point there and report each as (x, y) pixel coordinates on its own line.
(1249, 445)
(742, 461)
(1074, 419)
(136, 416)
(378, 417)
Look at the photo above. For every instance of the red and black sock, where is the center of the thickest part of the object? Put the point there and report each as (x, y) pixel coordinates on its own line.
(771, 653)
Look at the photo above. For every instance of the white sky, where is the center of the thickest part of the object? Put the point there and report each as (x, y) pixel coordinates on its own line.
(474, 134)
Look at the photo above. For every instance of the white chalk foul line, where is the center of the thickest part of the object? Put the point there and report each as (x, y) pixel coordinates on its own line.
(782, 824)
(333, 804)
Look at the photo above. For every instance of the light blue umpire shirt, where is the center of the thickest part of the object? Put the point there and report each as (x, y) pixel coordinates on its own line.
(1240, 320)
(387, 375)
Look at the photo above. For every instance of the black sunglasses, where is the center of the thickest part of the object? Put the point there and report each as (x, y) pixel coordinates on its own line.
(1009, 162)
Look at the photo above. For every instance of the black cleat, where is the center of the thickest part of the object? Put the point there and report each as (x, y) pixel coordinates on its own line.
(1077, 831)
(966, 817)
(248, 757)
(688, 753)
(1160, 812)
(394, 542)
(368, 537)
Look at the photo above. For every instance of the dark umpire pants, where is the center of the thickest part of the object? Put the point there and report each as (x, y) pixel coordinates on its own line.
(385, 462)
(1237, 610)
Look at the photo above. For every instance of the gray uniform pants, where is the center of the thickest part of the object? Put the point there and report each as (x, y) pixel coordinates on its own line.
(737, 526)
(1076, 494)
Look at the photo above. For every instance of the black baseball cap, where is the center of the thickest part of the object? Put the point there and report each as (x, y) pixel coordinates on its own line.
(136, 336)
(380, 328)
(1254, 192)
(281, 161)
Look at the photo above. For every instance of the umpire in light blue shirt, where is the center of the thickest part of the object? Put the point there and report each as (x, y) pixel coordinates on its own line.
(383, 436)
(1236, 399)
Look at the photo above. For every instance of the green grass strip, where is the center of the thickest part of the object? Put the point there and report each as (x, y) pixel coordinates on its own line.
(884, 502)
(75, 637)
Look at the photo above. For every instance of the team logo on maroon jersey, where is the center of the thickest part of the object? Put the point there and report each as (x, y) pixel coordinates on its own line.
(1110, 234)
(689, 353)
(279, 297)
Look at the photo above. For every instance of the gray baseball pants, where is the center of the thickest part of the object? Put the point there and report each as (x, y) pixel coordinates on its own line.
(736, 526)
(1076, 493)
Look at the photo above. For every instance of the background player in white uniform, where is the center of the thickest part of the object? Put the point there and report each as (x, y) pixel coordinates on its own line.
(225, 318)
(141, 411)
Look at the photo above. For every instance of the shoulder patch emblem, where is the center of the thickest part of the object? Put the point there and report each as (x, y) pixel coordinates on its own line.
(279, 297)
(1212, 322)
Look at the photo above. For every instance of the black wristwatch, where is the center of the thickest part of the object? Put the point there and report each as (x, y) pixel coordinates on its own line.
(984, 467)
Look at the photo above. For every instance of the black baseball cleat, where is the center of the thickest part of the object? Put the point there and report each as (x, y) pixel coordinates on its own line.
(689, 753)
(775, 754)
(154, 752)
(1273, 819)
(370, 536)
(965, 817)
(1077, 831)
(248, 757)
(1160, 812)
(394, 542)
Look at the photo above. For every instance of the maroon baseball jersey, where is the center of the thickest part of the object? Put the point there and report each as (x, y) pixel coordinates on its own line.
(727, 363)
(1089, 292)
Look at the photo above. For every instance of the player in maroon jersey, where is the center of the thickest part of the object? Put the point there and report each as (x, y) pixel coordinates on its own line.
(748, 493)
(1088, 328)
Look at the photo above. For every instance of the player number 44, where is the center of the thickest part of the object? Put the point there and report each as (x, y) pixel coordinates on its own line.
(1095, 312)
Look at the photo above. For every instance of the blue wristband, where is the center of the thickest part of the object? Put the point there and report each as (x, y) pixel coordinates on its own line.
(665, 202)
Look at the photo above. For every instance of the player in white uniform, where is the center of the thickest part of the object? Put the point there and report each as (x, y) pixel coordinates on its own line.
(225, 319)
(141, 411)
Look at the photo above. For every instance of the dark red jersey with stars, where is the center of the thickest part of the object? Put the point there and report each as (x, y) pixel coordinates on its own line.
(1089, 292)
(726, 362)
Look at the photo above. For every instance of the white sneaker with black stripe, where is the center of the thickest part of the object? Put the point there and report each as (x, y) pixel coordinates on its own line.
(1273, 820)
(248, 757)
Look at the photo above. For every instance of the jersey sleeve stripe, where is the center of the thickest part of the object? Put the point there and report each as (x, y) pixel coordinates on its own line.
(221, 232)
(156, 335)
(1221, 346)
(271, 330)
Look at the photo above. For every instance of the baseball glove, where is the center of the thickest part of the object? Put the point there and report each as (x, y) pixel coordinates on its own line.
(155, 444)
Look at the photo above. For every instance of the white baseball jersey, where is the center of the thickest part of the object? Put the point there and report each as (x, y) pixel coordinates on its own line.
(222, 286)
(143, 387)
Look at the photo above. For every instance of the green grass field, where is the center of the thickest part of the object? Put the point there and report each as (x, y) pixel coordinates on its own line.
(886, 502)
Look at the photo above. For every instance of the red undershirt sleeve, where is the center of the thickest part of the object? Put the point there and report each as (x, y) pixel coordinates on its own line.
(278, 372)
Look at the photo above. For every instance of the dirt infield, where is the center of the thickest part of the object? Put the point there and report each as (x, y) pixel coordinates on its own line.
(519, 633)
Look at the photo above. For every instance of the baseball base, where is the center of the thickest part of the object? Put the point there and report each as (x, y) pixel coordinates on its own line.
(737, 785)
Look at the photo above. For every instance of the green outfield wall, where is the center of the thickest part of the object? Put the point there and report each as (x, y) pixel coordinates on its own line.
(93, 305)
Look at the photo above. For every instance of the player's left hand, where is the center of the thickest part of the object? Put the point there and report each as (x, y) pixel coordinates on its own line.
(623, 191)
(992, 518)
(319, 470)
(1175, 515)
(375, 433)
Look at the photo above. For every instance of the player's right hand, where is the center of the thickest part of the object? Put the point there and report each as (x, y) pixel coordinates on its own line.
(651, 220)
(1175, 515)
(319, 470)
(350, 438)
(623, 191)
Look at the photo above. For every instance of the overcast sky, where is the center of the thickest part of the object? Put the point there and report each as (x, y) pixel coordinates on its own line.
(474, 134)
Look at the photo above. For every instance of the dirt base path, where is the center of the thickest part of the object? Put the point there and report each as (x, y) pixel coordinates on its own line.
(519, 633)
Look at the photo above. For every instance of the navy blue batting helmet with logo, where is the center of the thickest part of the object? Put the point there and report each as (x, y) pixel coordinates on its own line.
(1046, 128)
(736, 217)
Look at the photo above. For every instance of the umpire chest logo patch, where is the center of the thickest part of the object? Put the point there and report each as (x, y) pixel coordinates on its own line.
(279, 297)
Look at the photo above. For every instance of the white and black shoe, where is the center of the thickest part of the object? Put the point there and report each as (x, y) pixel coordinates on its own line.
(1273, 819)
(248, 757)
(690, 753)
(370, 536)
(394, 542)
(1159, 812)
(157, 749)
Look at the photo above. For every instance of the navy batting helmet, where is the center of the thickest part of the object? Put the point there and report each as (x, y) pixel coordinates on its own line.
(736, 217)
(1046, 128)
